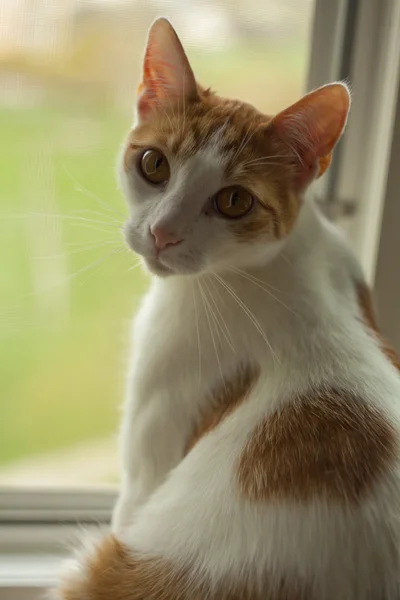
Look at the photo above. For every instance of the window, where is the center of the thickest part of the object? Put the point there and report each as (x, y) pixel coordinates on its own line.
(68, 288)
(68, 75)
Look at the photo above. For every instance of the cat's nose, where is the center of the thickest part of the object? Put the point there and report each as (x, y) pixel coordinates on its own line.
(164, 237)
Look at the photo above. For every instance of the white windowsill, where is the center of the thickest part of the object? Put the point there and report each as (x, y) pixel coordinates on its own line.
(31, 557)
(29, 570)
(28, 576)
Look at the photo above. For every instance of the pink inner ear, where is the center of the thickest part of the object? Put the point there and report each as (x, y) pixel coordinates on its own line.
(167, 75)
(154, 86)
(311, 127)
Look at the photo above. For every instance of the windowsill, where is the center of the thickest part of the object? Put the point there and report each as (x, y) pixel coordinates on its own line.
(37, 530)
(31, 557)
(29, 570)
(28, 576)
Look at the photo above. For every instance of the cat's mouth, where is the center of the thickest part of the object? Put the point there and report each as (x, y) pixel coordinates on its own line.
(164, 266)
(171, 261)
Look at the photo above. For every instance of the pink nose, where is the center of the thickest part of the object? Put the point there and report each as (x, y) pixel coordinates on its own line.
(163, 237)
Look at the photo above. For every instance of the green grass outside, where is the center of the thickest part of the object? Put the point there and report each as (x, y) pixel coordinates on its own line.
(60, 382)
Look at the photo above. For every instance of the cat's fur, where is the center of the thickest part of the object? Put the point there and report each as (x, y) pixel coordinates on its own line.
(261, 432)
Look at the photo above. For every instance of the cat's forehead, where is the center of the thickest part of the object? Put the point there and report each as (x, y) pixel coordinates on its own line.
(227, 130)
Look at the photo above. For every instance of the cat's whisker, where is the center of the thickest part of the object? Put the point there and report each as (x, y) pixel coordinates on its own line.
(74, 221)
(248, 312)
(80, 188)
(261, 281)
(294, 151)
(212, 312)
(70, 217)
(94, 263)
(81, 211)
(245, 141)
(197, 329)
(93, 273)
(85, 244)
(161, 106)
(248, 167)
(212, 334)
(255, 281)
(266, 158)
(68, 278)
(135, 266)
(224, 330)
(96, 228)
(286, 259)
(86, 248)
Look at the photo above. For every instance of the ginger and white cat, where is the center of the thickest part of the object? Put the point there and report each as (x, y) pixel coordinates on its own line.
(261, 430)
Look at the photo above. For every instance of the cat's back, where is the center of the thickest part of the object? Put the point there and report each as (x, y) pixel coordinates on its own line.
(308, 496)
(308, 459)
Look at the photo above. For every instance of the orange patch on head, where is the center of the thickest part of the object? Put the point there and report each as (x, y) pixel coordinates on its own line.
(112, 572)
(367, 309)
(274, 216)
(327, 444)
(275, 158)
(245, 147)
(224, 401)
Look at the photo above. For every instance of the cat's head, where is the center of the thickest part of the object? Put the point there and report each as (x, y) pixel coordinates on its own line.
(212, 183)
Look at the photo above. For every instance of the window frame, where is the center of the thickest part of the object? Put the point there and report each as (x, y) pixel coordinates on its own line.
(47, 506)
(387, 280)
(43, 520)
(365, 49)
(33, 520)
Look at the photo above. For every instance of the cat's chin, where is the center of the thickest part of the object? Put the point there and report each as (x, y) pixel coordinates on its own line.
(158, 267)
(155, 267)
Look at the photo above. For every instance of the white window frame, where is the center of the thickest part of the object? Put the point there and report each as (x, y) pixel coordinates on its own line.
(387, 272)
(37, 527)
(359, 40)
(354, 39)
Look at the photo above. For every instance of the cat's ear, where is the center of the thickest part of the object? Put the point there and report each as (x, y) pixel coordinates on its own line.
(167, 74)
(310, 129)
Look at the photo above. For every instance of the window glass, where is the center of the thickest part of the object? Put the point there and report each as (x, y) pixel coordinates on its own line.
(68, 286)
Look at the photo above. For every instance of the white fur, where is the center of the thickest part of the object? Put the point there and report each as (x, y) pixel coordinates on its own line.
(186, 207)
(189, 507)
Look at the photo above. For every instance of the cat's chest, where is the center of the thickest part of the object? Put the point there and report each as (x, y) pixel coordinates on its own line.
(188, 345)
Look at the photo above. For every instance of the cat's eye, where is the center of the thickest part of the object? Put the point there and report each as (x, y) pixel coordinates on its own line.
(233, 202)
(154, 167)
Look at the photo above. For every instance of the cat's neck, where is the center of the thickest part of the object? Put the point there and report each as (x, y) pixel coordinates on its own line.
(314, 269)
(300, 297)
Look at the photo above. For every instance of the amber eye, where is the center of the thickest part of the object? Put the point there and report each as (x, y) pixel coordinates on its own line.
(154, 167)
(234, 202)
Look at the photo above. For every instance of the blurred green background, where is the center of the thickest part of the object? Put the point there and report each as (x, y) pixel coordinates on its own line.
(67, 286)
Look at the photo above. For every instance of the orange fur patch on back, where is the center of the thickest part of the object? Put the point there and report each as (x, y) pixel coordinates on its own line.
(367, 308)
(327, 444)
(224, 402)
(111, 572)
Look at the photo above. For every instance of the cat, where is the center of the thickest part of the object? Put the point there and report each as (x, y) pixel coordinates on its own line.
(260, 439)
